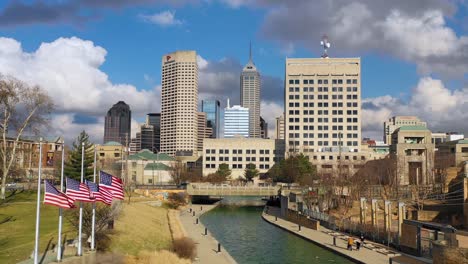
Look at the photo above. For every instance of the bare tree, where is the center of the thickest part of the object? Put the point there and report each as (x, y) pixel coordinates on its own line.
(21, 107)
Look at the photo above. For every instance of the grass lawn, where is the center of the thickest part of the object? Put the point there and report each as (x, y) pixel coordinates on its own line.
(141, 227)
(17, 235)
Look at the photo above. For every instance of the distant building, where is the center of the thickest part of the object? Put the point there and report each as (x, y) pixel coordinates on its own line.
(280, 127)
(204, 131)
(442, 137)
(147, 138)
(413, 151)
(452, 153)
(110, 157)
(398, 121)
(147, 168)
(117, 124)
(27, 155)
(213, 113)
(263, 128)
(179, 103)
(238, 152)
(236, 121)
(250, 96)
(154, 119)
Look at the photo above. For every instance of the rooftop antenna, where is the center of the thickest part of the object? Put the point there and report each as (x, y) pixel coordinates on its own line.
(326, 45)
(250, 51)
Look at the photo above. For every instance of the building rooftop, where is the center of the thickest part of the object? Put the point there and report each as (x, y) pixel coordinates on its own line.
(112, 143)
(413, 128)
(145, 154)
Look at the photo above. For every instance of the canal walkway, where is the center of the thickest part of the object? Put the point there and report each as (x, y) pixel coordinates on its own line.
(368, 253)
(207, 245)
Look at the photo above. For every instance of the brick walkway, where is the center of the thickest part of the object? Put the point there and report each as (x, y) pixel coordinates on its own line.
(369, 253)
(206, 245)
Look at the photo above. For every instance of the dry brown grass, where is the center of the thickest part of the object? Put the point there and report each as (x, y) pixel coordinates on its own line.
(141, 227)
(156, 257)
(177, 230)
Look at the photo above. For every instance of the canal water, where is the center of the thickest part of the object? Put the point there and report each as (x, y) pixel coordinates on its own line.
(249, 239)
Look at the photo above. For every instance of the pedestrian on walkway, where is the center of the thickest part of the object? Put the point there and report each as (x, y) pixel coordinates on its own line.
(350, 243)
(358, 244)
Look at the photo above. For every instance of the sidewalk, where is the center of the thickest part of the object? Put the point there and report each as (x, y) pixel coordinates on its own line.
(207, 246)
(324, 238)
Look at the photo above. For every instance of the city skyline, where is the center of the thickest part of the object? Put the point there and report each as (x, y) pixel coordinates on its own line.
(400, 75)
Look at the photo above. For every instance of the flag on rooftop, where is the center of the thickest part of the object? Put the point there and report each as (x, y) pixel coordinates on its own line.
(78, 191)
(55, 197)
(99, 194)
(112, 184)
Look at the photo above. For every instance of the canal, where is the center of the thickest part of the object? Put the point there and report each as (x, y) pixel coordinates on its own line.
(249, 239)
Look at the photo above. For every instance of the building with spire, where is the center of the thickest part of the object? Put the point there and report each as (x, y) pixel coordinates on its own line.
(250, 95)
(117, 124)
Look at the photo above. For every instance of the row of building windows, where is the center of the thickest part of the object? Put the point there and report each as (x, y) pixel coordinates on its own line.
(254, 159)
(238, 151)
(323, 135)
(323, 120)
(322, 97)
(322, 89)
(323, 81)
(323, 128)
(348, 104)
(322, 143)
(238, 166)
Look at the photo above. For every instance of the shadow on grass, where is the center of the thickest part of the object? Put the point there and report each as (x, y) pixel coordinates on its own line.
(45, 251)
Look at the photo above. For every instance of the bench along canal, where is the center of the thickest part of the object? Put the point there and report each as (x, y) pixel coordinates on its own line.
(249, 239)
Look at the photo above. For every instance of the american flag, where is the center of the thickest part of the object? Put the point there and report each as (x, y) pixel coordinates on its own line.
(99, 194)
(111, 184)
(78, 191)
(55, 197)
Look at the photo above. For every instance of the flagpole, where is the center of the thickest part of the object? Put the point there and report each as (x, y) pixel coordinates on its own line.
(38, 205)
(94, 206)
(81, 203)
(59, 249)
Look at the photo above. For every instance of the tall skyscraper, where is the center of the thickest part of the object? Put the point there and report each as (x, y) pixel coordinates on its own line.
(398, 121)
(117, 124)
(323, 104)
(154, 119)
(250, 95)
(236, 121)
(212, 110)
(280, 127)
(179, 102)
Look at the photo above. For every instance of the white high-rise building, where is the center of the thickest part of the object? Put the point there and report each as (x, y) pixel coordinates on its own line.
(250, 96)
(179, 103)
(323, 105)
(236, 121)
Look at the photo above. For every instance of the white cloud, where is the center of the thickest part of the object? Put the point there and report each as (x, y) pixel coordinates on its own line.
(202, 63)
(443, 109)
(165, 19)
(270, 111)
(416, 32)
(68, 69)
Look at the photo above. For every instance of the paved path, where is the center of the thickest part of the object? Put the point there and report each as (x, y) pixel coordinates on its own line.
(367, 254)
(206, 245)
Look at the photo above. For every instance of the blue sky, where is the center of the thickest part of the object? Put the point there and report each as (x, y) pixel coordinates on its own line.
(408, 50)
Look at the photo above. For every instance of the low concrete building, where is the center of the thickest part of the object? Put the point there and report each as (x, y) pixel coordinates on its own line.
(238, 152)
(147, 168)
(413, 151)
(110, 156)
(452, 153)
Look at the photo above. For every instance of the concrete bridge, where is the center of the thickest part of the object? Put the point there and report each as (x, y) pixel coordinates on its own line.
(195, 189)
